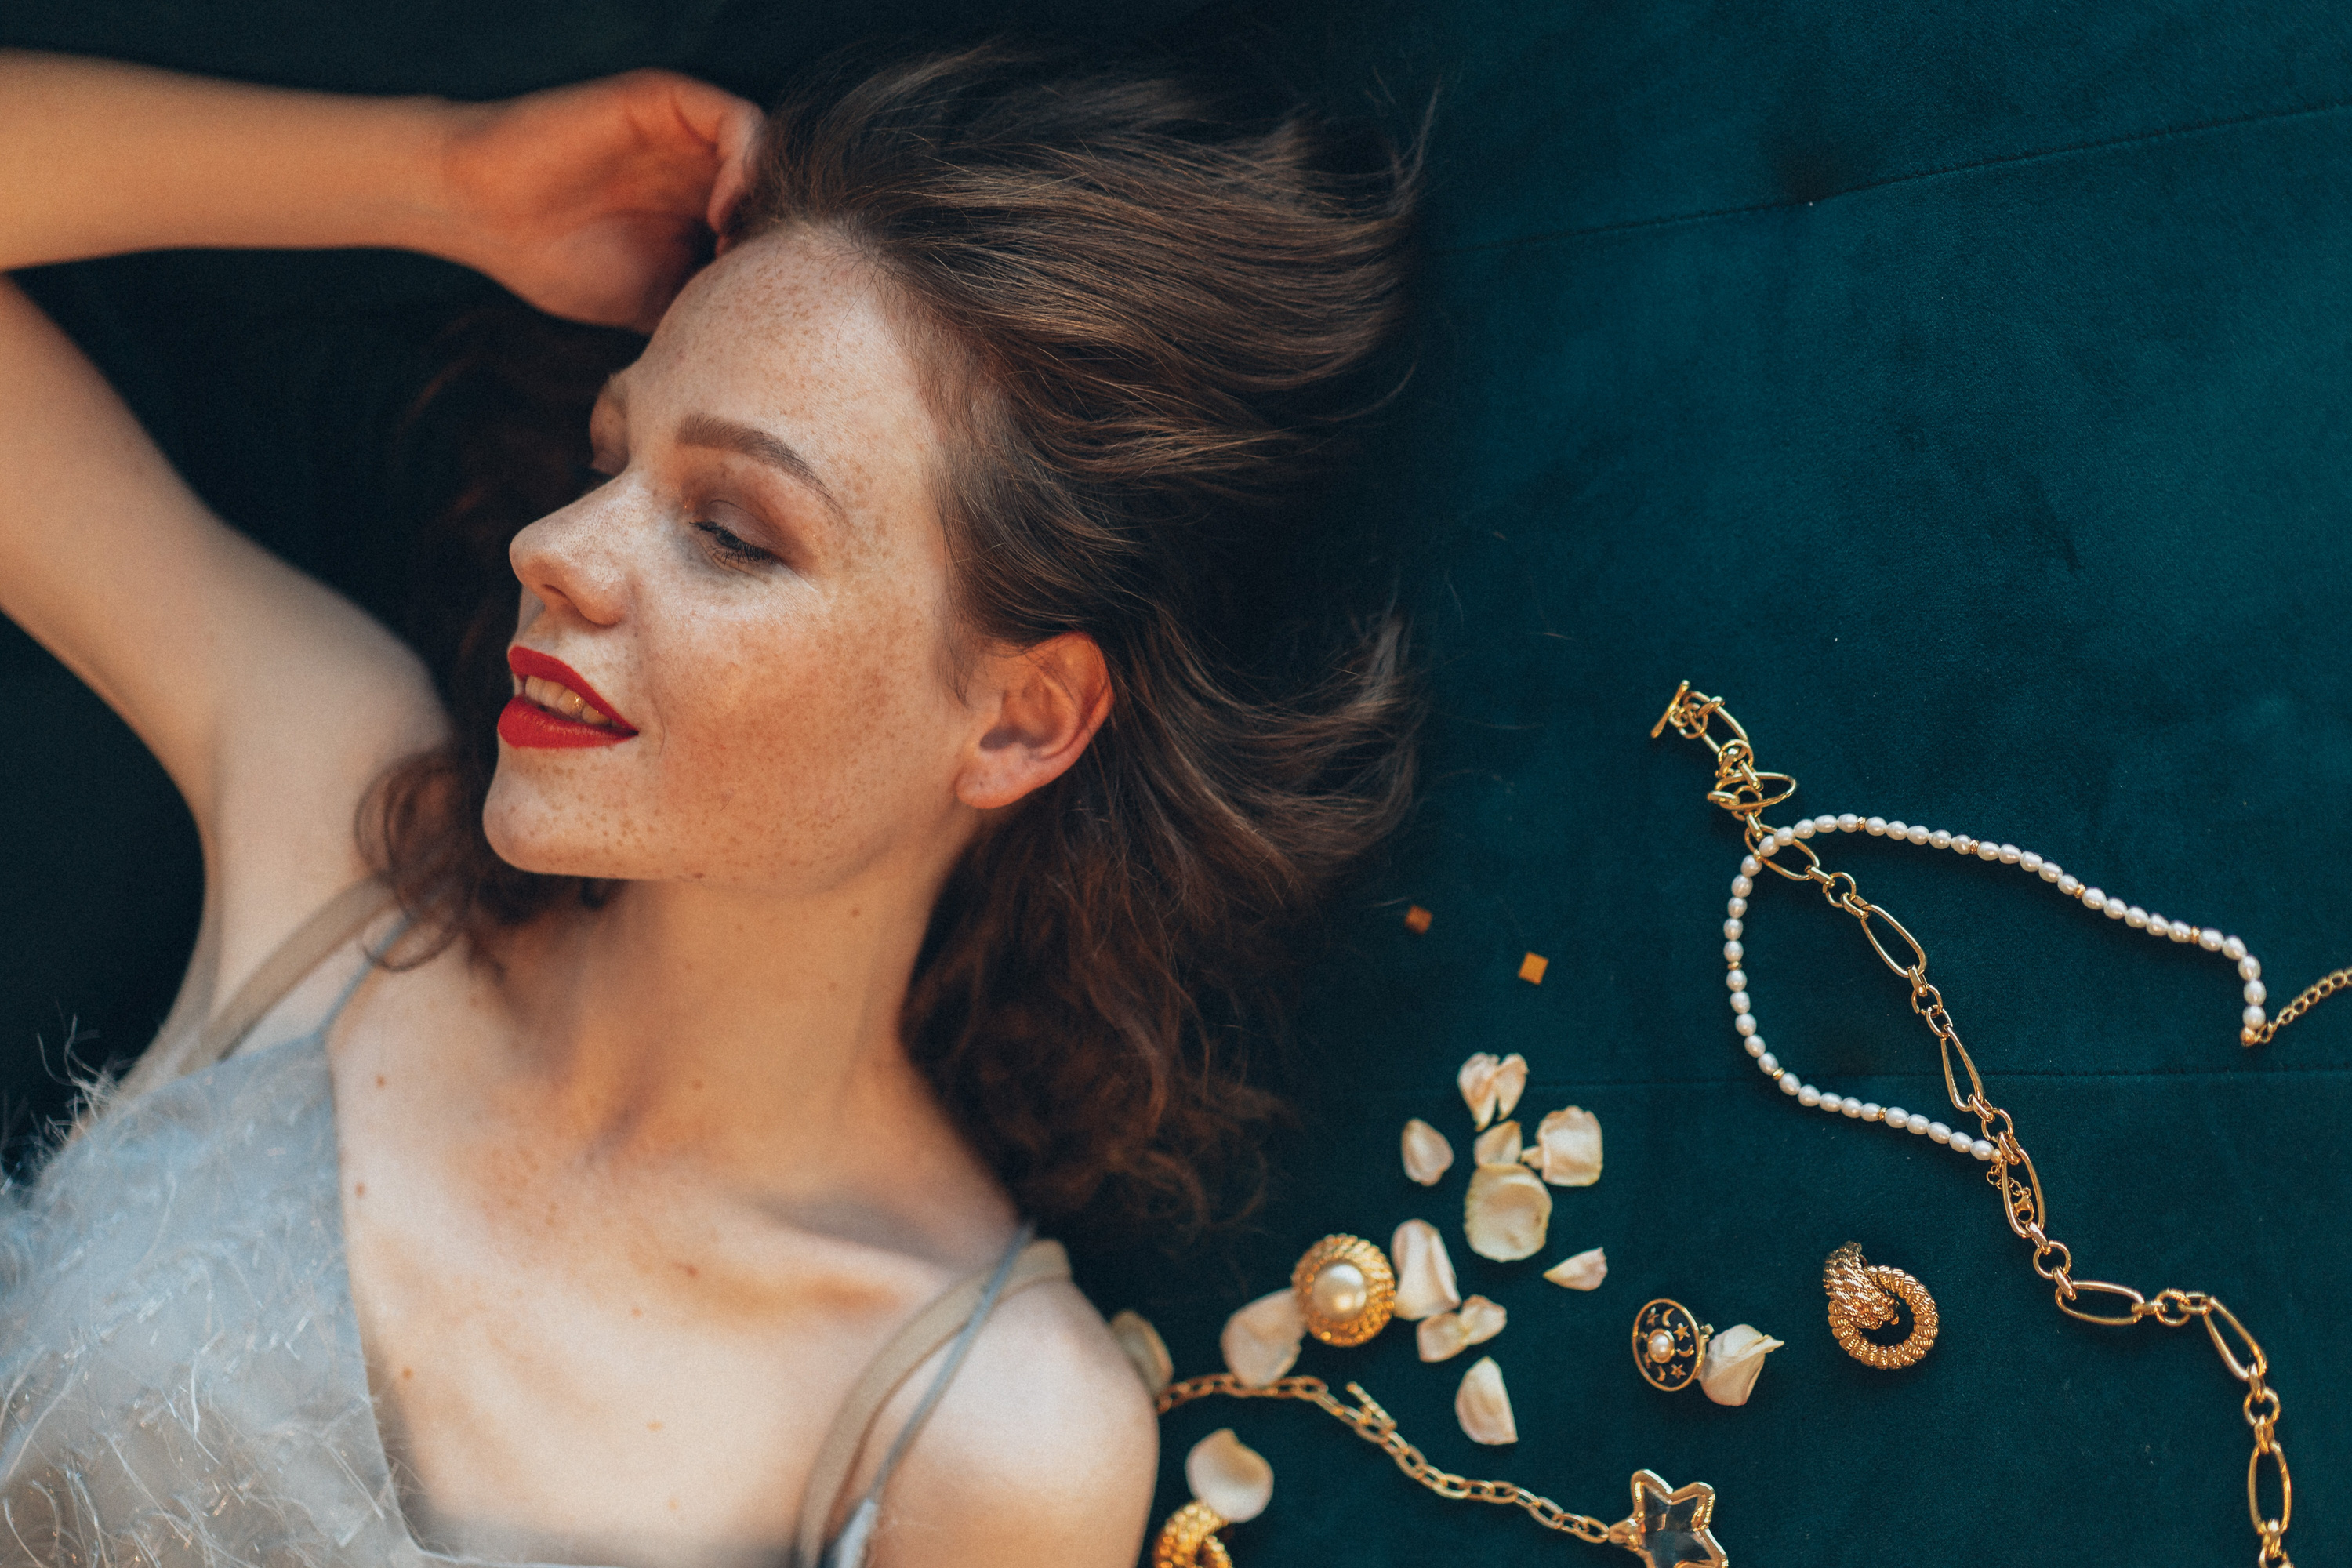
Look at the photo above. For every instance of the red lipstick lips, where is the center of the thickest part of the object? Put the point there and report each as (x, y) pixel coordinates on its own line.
(527, 723)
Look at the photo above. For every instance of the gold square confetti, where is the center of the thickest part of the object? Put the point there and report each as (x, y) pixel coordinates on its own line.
(1416, 920)
(1532, 967)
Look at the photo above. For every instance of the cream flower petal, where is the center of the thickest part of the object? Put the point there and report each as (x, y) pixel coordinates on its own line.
(1728, 1371)
(1476, 1081)
(1440, 1338)
(1506, 1214)
(1145, 1349)
(1229, 1476)
(1568, 1148)
(1584, 1271)
(1510, 1082)
(1424, 1272)
(1484, 1406)
(1427, 1154)
(1499, 1145)
(1261, 1341)
(1481, 1319)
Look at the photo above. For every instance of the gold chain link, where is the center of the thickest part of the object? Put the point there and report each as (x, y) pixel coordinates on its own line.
(1746, 792)
(1378, 1428)
(2318, 990)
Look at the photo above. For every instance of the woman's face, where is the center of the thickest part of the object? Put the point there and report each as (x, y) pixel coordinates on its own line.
(759, 591)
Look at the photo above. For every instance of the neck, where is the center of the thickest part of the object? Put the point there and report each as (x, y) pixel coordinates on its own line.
(753, 1039)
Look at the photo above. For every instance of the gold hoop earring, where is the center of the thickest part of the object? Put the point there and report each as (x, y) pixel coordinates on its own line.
(1862, 1296)
(1189, 1540)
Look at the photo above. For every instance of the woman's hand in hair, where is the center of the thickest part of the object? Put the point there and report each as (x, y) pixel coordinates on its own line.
(597, 200)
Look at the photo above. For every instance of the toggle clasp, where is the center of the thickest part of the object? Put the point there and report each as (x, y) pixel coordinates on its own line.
(1740, 788)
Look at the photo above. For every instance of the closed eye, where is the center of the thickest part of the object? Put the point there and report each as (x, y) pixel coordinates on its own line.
(731, 547)
(722, 543)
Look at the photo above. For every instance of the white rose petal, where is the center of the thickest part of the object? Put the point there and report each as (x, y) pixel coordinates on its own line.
(1261, 1341)
(1728, 1371)
(1424, 1272)
(1448, 1334)
(1484, 1406)
(1440, 1338)
(1584, 1271)
(1476, 1081)
(1145, 1349)
(1510, 1082)
(1229, 1476)
(1427, 1154)
(1506, 1214)
(1499, 1145)
(1481, 1319)
(1568, 1148)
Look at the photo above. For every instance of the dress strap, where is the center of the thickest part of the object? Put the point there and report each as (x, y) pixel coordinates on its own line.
(343, 916)
(953, 1320)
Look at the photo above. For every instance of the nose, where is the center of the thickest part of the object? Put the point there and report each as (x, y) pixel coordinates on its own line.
(572, 560)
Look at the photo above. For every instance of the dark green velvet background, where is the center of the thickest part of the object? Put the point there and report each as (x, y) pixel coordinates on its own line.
(1964, 392)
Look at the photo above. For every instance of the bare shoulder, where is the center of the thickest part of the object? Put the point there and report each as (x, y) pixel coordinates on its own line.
(1045, 1449)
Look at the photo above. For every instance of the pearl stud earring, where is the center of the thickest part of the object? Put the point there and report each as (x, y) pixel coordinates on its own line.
(1346, 1290)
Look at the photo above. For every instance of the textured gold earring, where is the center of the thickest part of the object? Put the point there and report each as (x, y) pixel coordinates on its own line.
(1189, 1540)
(1346, 1290)
(1862, 1296)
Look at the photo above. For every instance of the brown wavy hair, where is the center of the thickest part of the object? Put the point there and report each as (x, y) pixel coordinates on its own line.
(1148, 317)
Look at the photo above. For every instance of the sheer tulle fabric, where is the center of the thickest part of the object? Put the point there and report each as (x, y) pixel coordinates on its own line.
(181, 1374)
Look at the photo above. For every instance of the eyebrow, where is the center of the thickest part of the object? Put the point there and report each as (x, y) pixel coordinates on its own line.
(713, 433)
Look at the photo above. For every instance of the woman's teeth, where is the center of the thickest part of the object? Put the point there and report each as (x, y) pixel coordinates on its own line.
(562, 699)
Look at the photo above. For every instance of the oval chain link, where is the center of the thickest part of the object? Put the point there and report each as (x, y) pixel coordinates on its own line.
(1741, 790)
(1375, 1425)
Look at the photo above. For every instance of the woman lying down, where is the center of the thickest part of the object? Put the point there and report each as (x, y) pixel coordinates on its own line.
(619, 1130)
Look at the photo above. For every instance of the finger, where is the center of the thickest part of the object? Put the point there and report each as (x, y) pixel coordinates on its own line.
(705, 111)
(729, 125)
(738, 138)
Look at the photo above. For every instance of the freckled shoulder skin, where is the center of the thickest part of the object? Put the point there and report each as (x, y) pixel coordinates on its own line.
(1045, 1449)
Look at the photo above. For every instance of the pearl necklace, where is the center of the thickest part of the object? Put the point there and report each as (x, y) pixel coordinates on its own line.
(1746, 792)
(1771, 840)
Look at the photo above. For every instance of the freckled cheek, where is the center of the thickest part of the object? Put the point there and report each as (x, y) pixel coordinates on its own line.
(843, 719)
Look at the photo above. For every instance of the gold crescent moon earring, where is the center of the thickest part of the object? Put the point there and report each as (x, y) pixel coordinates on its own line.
(1862, 1296)
(1668, 1343)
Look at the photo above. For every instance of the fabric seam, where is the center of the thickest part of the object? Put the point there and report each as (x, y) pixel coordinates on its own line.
(1627, 225)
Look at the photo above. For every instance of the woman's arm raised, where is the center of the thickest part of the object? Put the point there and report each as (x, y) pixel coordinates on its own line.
(592, 200)
(271, 701)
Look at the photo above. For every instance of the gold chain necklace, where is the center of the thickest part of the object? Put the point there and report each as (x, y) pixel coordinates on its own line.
(1670, 1527)
(1742, 789)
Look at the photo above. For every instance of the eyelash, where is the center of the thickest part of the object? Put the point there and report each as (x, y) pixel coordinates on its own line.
(736, 552)
(731, 549)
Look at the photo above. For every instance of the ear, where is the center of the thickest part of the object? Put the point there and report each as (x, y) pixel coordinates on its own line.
(1040, 707)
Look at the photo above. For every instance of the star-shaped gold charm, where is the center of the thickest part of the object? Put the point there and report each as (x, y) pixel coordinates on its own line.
(1669, 1526)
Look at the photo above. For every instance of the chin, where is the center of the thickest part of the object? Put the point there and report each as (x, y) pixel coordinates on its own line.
(533, 834)
(543, 854)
